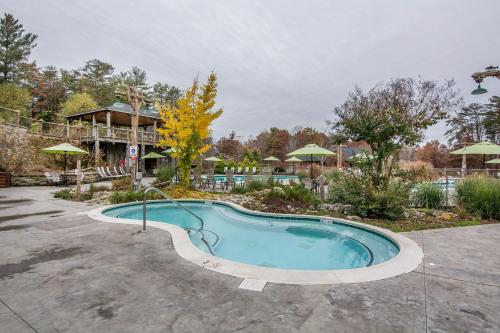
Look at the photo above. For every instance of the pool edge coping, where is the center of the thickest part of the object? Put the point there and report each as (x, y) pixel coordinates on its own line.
(410, 255)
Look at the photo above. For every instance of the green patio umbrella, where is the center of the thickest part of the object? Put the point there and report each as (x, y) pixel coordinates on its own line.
(311, 150)
(152, 155)
(482, 148)
(272, 159)
(494, 161)
(212, 159)
(169, 151)
(293, 160)
(66, 149)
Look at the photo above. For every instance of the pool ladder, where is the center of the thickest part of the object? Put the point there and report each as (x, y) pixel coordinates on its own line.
(201, 230)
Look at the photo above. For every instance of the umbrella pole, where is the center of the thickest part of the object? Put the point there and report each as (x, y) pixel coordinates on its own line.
(311, 166)
(65, 169)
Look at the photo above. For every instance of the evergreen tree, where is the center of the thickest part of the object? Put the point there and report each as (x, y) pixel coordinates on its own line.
(164, 94)
(15, 48)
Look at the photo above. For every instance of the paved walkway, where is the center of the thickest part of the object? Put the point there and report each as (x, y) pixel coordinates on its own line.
(62, 272)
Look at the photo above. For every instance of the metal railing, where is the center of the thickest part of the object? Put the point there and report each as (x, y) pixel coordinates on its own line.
(79, 132)
(201, 230)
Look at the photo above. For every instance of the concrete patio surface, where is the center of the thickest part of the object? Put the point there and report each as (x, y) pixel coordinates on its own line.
(63, 272)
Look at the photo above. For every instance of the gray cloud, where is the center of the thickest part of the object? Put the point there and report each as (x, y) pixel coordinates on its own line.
(280, 63)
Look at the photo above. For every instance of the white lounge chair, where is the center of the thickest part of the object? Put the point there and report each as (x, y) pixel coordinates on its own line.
(101, 173)
(239, 169)
(108, 171)
(247, 170)
(254, 170)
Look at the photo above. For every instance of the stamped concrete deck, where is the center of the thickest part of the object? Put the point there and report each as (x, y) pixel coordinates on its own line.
(63, 272)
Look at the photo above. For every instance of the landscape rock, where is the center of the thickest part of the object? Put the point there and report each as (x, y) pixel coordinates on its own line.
(354, 218)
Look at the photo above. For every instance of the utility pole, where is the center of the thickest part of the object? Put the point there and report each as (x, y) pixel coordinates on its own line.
(135, 97)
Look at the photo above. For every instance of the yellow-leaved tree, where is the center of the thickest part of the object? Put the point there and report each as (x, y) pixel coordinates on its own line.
(186, 126)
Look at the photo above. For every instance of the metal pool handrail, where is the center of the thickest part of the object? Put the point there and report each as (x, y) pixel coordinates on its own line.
(152, 188)
(201, 230)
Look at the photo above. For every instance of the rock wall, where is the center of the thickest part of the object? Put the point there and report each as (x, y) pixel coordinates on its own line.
(21, 151)
(41, 180)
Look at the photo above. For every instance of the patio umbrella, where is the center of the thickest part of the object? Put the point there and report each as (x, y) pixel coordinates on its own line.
(482, 148)
(494, 161)
(152, 155)
(311, 150)
(66, 149)
(272, 159)
(169, 151)
(293, 160)
(212, 159)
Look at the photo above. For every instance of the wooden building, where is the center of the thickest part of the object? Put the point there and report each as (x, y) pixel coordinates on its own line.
(108, 129)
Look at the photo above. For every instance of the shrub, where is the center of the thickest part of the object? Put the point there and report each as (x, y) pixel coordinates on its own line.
(124, 183)
(480, 196)
(429, 195)
(421, 171)
(295, 193)
(66, 194)
(367, 199)
(253, 186)
(125, 196)
(98, 188)
(165, 173)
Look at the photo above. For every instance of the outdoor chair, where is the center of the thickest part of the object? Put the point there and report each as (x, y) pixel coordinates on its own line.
(254, 170)
(229, 180)
(308, 183)
(123, 171)
(118, 172)
(102, 173)
(239, 170)
(108, 171)
(53, 177)
(247, 170)
(82, 175)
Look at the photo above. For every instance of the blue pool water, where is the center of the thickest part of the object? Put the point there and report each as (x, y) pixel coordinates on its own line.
(280, 242)
(283, 179)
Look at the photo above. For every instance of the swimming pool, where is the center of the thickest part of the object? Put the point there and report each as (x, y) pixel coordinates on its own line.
(288, 243)
(293, 249)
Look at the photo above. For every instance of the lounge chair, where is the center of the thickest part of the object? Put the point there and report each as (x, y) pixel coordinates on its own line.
(239, 170)
(247, 170)
(225, 169)
(123, 171)
(101, 173)
(108, 171)
(254, 170)
(229, 180)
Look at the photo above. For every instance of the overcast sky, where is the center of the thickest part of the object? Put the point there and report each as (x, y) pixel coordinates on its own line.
(279, 63)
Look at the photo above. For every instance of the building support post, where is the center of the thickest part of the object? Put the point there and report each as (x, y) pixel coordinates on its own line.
(154, 132)
(97, 151)
(108, 124)
(143, 152)
(67, 128)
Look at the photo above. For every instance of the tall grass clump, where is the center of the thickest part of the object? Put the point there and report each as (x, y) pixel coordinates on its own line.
(429, 195)
(479, 195)
(165, 173)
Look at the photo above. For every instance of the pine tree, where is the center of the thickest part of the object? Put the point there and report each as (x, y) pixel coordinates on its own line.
(15, 48)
